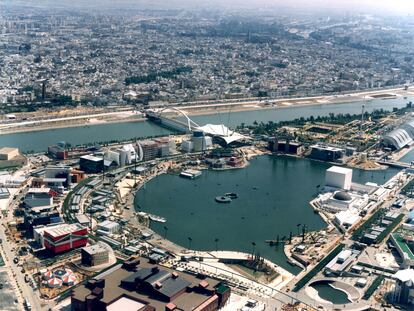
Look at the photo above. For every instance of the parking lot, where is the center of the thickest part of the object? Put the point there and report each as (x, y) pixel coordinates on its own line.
(7, 294)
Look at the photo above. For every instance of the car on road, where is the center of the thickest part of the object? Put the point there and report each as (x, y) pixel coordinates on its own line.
(15, 260)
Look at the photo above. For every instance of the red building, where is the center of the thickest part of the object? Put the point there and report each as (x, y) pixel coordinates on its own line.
(58, 152)
(65, 237)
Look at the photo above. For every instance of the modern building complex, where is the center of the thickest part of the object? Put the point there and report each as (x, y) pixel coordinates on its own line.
(38, 197)
(149, 149)
(138, 285)
(400, 137)
(65, 237)
(404, 290)
(326, 153)
(91, 164)
(286, 146)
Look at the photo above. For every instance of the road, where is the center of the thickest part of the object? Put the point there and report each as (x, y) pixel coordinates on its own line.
(23, 289)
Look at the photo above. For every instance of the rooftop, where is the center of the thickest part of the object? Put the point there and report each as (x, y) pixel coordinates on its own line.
(63, 229)
(163, 279)
(94, 249)
(125, 304)
(338, 169)
(6, 150)
(90, 157)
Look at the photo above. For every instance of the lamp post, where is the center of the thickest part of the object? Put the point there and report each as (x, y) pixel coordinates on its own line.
(253, 248)
(216, 242)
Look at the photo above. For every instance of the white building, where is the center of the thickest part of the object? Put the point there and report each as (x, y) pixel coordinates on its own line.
(404, 289)
(187, 146)
(339, 177)
(108, 226)
(346, 219)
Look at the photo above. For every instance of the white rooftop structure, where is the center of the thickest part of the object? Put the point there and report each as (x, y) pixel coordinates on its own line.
(63, 229)
(38, 190)
(125, 304)
(339, 177)
(90, 157)
(406, 275)
(222, 131)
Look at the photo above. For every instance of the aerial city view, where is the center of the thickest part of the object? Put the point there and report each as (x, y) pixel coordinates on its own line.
(206, 155)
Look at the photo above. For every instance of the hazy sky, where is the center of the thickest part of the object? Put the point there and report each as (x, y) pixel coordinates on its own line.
(401, 6)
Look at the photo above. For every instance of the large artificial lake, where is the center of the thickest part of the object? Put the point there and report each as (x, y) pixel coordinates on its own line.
(274, 194)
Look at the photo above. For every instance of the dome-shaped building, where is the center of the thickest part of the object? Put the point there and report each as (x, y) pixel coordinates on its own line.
(342, 196)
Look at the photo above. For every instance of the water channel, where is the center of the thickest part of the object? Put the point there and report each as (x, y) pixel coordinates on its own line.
(39, 140)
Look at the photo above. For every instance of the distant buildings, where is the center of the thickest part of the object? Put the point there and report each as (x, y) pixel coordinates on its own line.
(10, 157)
(326, 153)
(58, 151)
(286, 146)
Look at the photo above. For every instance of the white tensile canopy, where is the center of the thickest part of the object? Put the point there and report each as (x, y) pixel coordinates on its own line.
(222, 131)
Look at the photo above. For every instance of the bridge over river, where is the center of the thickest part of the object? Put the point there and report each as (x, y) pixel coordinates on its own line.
(189, 126)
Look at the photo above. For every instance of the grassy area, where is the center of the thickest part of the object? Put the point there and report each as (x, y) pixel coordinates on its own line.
(312, 273)
(408, 190)
(373, 287)
(366, 226)
(389, 229)
(363, 264)
(257, 275)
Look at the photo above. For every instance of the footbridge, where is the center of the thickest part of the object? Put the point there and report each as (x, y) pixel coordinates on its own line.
(189, 126)
(396, 164)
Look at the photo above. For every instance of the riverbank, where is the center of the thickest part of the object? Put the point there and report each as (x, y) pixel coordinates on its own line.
(84, 121)
(200, 110)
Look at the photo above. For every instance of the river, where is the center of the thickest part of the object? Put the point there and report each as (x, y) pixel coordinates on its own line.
(39, 140)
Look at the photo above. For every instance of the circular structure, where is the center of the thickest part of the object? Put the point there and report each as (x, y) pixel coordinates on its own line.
(332, 291)
(342, 196)
(60, 273)
(55, 283)
(222, 199)
(69, 279)
(47, 275)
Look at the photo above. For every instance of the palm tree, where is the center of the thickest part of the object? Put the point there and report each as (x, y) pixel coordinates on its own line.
(254, 248)
(216, 242)
(298, 225)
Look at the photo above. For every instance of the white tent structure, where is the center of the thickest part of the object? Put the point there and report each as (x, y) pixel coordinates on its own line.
(221, 131)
